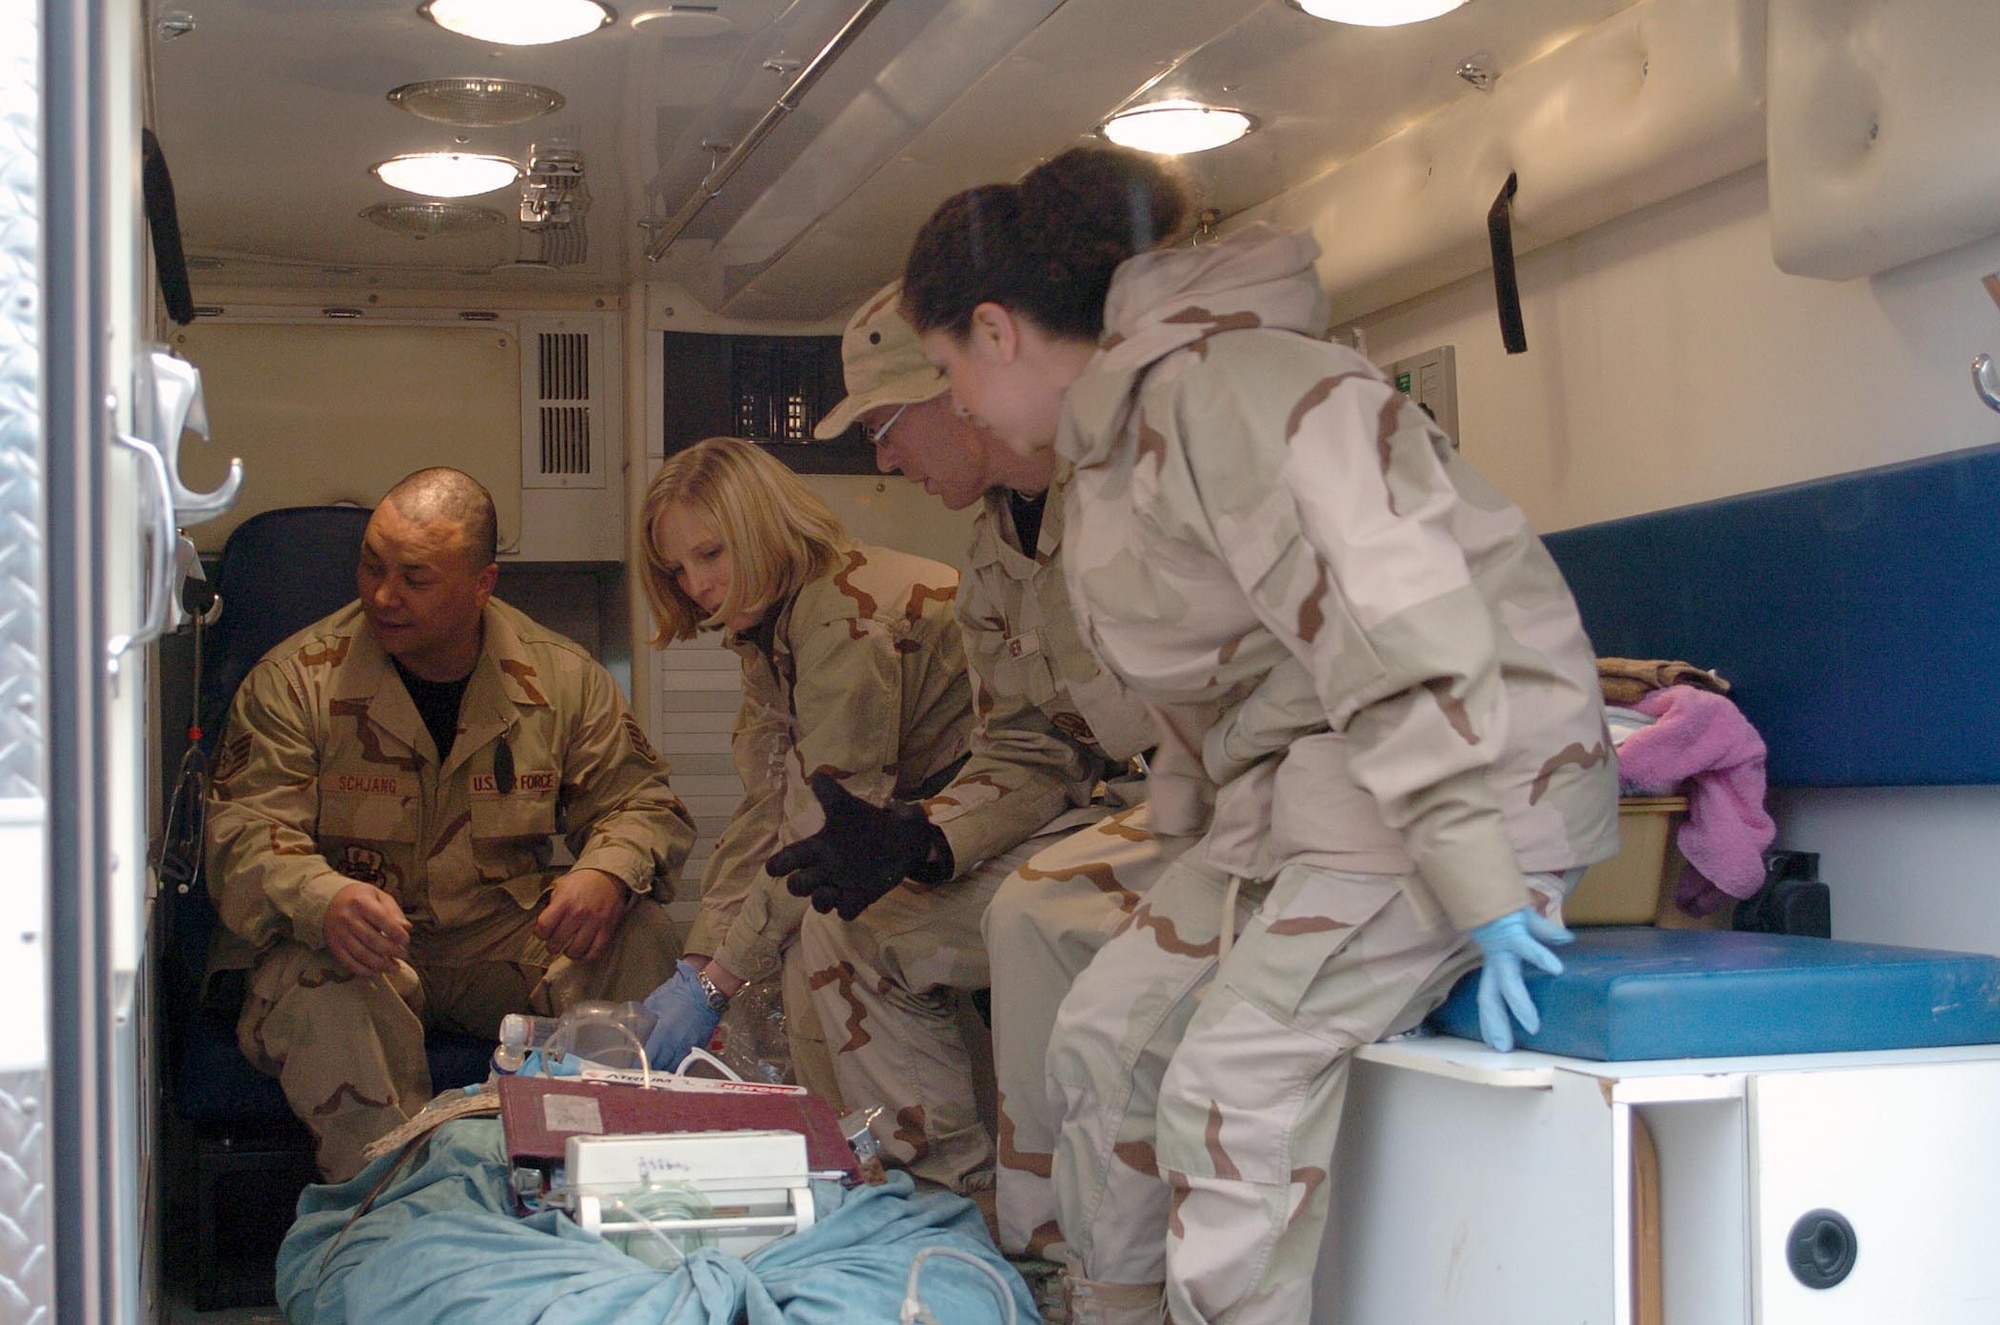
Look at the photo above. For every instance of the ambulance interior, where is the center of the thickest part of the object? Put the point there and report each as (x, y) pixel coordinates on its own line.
(1754, 246)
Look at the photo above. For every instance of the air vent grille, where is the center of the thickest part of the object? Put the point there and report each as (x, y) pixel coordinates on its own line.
(565, 365)
(565, 439)
(563, 406)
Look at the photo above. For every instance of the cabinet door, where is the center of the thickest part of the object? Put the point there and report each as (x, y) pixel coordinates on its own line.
(1905, 1164)
(1463, 1203)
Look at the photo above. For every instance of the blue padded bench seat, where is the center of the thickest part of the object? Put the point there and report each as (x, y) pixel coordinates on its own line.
(1635, 993)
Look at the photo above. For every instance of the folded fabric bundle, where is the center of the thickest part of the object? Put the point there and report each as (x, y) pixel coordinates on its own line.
(1702, 740)
(1625, 680)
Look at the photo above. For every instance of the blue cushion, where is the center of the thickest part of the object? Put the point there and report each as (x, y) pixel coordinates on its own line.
(1633, 993)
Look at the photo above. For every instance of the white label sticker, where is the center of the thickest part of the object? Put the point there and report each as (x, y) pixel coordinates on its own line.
(571, 1113)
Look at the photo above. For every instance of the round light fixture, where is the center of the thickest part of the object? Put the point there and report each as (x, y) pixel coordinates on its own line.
(1377, 13)
(446, 174)
(476, 103)
(1177, 127)
(430, 220)
(519, 22)
(682, 21)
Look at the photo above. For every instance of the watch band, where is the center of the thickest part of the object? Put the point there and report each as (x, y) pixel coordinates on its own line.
(717, 1000)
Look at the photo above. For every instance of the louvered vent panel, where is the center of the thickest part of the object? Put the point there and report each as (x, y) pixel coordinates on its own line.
(564, 403)
(565, 439)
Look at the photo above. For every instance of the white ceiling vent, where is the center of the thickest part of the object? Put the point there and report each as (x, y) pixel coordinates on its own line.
(565, 404)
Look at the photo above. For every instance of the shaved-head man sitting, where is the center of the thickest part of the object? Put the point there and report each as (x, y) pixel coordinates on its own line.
(381, 820)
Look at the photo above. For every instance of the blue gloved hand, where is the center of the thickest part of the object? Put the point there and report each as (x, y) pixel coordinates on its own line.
(1507, 942)
(686, 1021)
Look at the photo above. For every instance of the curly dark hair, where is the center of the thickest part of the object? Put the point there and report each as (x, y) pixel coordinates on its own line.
(1045, 247)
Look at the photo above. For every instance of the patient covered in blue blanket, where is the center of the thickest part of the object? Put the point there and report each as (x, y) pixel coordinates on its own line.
(439, 1244)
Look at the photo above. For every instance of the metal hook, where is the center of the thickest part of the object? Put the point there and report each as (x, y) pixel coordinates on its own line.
(1986, 381)
(177, 408)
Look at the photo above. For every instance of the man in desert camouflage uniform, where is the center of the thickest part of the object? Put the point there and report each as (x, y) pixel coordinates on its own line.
(1273, 528)
(1051, 726)
(380, 822)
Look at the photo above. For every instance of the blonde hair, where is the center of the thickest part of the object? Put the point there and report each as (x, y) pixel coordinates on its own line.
(778, 532)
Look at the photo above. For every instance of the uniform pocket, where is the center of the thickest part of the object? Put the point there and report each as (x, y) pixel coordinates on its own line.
(511, 841)
(505, 818)
(370, 836)
(1021, 667)
(1309, 918)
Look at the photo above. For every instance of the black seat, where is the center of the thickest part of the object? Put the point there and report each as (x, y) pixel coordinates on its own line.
(280, 571)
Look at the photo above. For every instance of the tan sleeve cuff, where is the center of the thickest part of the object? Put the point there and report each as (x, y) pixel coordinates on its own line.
(632, 868)
(307, 913)
(763, 929)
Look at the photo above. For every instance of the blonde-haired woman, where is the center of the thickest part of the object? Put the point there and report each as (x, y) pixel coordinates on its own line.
(853, 674)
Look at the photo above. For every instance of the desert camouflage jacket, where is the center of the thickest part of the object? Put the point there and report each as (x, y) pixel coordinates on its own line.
(865, 678)
(1049, 718)
(1265, 529)
(326, 774)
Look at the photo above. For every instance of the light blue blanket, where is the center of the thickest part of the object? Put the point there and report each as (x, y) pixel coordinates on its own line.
(438, 1246)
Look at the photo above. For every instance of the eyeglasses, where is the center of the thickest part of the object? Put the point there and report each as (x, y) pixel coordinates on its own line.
(875, 435)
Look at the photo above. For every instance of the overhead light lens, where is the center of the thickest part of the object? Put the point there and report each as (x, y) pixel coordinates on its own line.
(447, 174)
(1377, 13)
(476, 103)
(683, 21)
(519, 22)
(1174, 128)
(428, 220)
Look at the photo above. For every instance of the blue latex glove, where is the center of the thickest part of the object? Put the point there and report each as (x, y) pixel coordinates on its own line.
(536, 1065)
(686, 1021)
(1507, 942)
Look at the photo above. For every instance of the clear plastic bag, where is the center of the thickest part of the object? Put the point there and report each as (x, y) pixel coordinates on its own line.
(751, 1038)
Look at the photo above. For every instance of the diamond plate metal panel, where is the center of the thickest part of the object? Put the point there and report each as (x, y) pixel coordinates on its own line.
(20, 405)
(26, 1279)
(24, 1214)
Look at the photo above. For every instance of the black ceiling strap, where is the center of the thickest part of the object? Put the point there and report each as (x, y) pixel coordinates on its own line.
(165, 223)
(1500, 231)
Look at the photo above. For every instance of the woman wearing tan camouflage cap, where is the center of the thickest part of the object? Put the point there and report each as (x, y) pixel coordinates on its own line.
(854, 682)
(1403, 722)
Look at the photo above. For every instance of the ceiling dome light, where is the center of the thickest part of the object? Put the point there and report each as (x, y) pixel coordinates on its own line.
(430, 220)
(519, 22)
(683, 21)
(476, 103)
(446, 174)
(1175, 128)
(1377, 13)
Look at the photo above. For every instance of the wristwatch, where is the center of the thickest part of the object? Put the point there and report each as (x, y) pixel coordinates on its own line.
(718, 1001)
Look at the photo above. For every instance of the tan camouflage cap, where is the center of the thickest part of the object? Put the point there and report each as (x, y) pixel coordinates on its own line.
(883, 362)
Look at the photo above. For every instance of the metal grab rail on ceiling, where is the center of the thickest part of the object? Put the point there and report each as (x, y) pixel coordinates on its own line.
(657, 246)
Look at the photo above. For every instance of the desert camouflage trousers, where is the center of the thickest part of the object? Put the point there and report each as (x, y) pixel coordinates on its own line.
(886, 987)
(349, 1051)
(1198, 1108)
(1043, 927)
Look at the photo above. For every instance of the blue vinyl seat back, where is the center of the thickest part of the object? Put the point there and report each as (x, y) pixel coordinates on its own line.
(279, 572)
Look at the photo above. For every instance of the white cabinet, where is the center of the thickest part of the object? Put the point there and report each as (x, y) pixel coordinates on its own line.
(1524, 1189)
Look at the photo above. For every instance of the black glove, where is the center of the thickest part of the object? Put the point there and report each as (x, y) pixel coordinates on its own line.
(862, 853)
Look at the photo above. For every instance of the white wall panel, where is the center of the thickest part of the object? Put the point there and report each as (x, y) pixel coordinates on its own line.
(1670, 361)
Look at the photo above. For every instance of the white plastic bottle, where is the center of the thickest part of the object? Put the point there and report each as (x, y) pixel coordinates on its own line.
(519, 1033)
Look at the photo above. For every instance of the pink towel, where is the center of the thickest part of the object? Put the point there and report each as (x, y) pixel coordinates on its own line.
(1703, 739)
